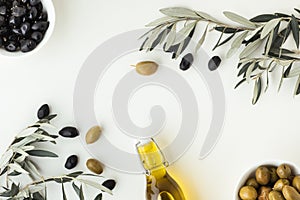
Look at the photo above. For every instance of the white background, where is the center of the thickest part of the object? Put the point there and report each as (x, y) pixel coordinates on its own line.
(251, 134)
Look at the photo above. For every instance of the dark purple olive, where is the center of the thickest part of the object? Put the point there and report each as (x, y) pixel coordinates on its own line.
(2, 20)
(11, 46)
(40, 26)
(25, 28)
(34, 2)
(214, 63)
(13, 37)
(186, 61)
(37, 36)
(18, 11)
(39, 7)
(110, 184)
(43, 16)
(17, 31)
(43, 111)
(4, 31)
(15, 21)
(27, 45)
(69, 132)
(71, 162)
(32, 13)
(3, 10)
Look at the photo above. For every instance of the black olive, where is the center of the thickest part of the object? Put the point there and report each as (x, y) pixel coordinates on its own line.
(1, 42)
(32, 13)
(39, 7)
(2, 20)
(110, 184)
(214, 63)
(69, 132)
(37, 36)
(34, 2)
(18, 11)
(27, 45)
(17, 31)
(15, 21)
(71, 162)
(43, 16)
(25, 28)
(186, 61)
(3, 10)
(11, 46)
(43, 111)
(40, 26)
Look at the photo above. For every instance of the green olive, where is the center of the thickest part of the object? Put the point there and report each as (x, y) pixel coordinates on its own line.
(263, 193)
(146, 68)
(274, 176)
(248, 193)
(296, 183)
(262, 175)
(275, 195)
(284, 171)
(290, 193)
(280, 184)
(252, 182)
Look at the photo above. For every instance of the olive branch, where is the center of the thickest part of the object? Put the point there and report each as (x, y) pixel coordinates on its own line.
(261, 41)
(16, 162)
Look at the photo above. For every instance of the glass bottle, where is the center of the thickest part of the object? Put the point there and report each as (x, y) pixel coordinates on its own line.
(160, 185)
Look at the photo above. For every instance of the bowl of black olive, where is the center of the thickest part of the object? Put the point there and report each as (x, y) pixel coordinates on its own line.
(25, 26)
(272, 180)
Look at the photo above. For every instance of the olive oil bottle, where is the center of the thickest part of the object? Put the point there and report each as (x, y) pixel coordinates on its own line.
(160, 185)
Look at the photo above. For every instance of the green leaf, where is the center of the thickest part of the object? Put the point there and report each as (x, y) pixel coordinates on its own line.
(281, 79)
(263, 18)
(81, 196)
(268, 27)
(184, 32)
(295, 30)
(297, 10)
(64, 192)
(98, 197)
(159, 21)
(240, 83)
(297, 87)
(179, 12)
(76, 189)
(202, 39)
(75, 174)
(225, 41)
(206, 16)
(239, 19)
(287, 71)
(257, 90)
(250, 48)
(42, 153)
(244, 68)
(249, 71)
(171, 38)
(269, 43)
(38, 196)
(236, 44)
(293, 72)
(226, 29)
(219, 40)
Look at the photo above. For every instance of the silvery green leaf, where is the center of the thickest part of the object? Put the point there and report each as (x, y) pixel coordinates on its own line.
(179, 12)
(6, 158)
(284, 63)
(36, 188)
(24, 141)
(42, 137)
(250, 48)
(20, 158)
(256, 91)
(177, 53)
(32, 168)
(281, 79)
(18, 168)
(171, 37)
(184, 32)
(237, 42)
(202, 39)
(249, 71)
(269, 26)
(20, 151)
(253, 33)
(294, 72)
(27, 148)
(295, 30)
(42, 153)
(63, 191)
(26, 132)
(239, 19)
(269, 42)
(162, 20)
(206, 16)
(151, 38)
(231, 52)
(95, 185)
(297, 87)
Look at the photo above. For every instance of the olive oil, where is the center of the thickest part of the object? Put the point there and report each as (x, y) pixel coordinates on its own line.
(160, 185)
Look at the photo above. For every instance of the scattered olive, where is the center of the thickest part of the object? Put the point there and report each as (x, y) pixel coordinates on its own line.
(296, 183)
(110, 184)
(146, 67)
(214, 63)
(284, 171)
(186, 61)
(93, 134)
(71, 162)
(262, 175)
(248, 193)
(290, 193)
(94, 166)
(69, 132)
(43, 111)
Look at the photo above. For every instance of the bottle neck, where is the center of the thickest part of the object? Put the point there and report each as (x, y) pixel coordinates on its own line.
(151, 157)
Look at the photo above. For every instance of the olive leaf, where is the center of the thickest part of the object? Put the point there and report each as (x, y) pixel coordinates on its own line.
(249, 71)
(250, 48)
(297, 86)
(269, 43)
(42, 153)
(295, 30)
(239, 19)
(200, 42)
(263, 18)
(98, 197)
(162, 20)
(257, 90)
(184, 32)
(206, 16)
(171, 37)
(293, 72)
(236, 44)
(268, 27)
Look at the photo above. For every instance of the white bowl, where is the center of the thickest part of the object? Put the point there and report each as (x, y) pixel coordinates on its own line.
(49, 7)
(251, 173)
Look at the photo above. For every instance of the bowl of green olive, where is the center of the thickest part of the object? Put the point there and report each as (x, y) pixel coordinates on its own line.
(273, 180)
